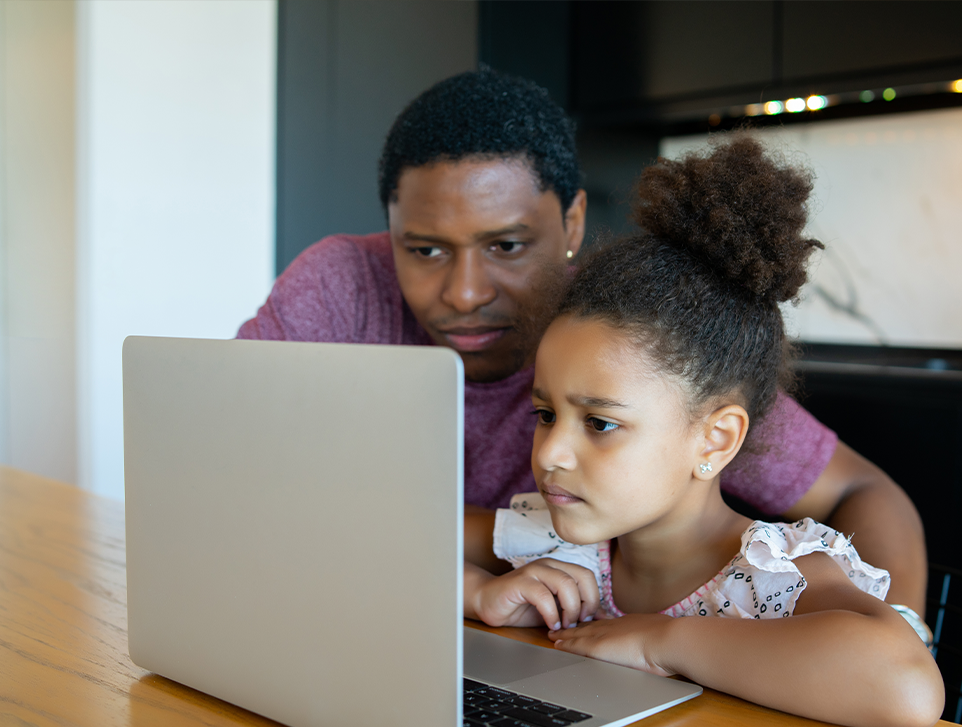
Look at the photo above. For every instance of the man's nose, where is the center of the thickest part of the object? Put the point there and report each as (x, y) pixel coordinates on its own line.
(469, 285)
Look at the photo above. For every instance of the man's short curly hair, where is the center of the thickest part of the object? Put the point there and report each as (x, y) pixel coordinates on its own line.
(488, 115)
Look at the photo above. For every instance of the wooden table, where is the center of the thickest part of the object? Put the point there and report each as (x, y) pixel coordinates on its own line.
(63, 627)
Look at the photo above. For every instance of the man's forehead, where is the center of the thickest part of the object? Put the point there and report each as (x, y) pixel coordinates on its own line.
(471, 196)
(478, 165)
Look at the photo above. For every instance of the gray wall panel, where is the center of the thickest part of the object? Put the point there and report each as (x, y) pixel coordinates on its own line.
(345, 70)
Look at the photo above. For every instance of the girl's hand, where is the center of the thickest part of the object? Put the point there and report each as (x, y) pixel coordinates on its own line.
(545, 591)
(631, 640)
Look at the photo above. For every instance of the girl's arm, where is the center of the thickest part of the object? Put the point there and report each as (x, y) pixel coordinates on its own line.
(844, 656)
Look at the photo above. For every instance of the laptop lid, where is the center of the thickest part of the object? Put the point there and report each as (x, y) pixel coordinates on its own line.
(277, 495)
(294, 541)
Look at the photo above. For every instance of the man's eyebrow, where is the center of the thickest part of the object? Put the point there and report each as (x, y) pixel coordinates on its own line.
(416, 237)
(480, 236)
(509, 230)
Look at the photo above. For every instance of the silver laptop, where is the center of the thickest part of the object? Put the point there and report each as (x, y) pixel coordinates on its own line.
(294, 541)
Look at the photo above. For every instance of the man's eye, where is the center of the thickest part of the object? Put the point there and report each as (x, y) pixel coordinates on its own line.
(508, 246)
(600, 425)
(426, 251)
(544, 416)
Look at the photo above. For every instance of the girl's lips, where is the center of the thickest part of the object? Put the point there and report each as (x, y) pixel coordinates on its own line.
(558, 496)
(466, 341)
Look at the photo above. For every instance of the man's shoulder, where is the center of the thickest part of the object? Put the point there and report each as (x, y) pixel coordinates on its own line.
(344, 268)
(342, 288)
(342, 250)
(789, 450)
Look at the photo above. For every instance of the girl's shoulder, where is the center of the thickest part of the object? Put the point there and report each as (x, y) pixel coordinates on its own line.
(762, 580)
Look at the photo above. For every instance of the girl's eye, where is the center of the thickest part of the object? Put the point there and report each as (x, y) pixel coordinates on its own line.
(600, 425)
(544, 416)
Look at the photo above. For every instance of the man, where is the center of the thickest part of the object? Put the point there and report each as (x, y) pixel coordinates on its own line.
(480, 182)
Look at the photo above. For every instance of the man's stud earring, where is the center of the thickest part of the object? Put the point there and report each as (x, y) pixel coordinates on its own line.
(570, 254)
(705, 467)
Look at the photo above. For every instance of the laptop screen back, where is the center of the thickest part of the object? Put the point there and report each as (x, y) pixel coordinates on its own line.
(293, 525)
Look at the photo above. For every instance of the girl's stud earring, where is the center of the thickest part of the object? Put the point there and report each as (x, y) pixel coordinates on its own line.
(705, 467)
(570, 254)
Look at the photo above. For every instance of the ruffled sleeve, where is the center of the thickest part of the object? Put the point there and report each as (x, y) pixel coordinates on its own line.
(523, 533)
(762, 581)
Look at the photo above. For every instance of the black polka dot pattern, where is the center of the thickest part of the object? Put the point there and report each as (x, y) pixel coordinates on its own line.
(760, 582)
(763, 582)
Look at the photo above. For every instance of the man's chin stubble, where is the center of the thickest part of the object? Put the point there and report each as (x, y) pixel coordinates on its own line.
(527, 331)
(512, 361)
(549, 291)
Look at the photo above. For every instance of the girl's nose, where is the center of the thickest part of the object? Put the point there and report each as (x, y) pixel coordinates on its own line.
(553, 450)
(469, 285)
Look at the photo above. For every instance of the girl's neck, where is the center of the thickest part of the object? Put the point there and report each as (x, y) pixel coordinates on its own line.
(658, 565)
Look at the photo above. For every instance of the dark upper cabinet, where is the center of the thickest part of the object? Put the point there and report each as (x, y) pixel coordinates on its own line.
(652, 57)
(631, 52)
(826, 40)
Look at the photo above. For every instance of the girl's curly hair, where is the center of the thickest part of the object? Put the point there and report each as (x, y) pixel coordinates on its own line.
(698, 288)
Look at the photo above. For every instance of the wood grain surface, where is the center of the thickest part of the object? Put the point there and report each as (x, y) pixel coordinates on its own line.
(63, 618)
(63, 627)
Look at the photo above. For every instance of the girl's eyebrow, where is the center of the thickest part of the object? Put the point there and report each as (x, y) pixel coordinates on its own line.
(598, 402)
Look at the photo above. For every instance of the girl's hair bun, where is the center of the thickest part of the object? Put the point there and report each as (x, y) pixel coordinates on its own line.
(737, 210)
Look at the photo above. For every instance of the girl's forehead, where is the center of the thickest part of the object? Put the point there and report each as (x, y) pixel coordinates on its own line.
(591, 368)
(599, 340)
(591, 353)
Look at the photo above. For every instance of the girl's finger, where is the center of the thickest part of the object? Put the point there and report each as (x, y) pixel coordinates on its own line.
(589, 597)
(542, 597)
(568, 592)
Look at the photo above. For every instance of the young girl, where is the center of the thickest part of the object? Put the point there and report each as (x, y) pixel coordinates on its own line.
(666, 348)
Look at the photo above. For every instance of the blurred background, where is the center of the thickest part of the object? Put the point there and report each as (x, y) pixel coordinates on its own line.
(161, 162)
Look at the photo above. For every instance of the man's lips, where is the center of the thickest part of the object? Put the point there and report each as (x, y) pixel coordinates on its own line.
(555, 495)
(473, 339)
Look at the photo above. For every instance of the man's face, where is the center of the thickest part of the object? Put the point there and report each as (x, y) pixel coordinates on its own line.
(480, 252)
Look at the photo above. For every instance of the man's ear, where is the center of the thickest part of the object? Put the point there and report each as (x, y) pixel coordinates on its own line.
(725, 430)
(575, 222)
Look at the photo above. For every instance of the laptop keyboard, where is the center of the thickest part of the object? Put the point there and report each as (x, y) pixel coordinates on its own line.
(484, 705)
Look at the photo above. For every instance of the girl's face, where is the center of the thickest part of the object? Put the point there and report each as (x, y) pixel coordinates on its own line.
(614, 448)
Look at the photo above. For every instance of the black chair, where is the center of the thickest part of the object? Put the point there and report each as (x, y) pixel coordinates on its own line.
(944, 616)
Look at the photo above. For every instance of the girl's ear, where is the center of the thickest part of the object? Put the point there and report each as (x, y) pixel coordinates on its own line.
(725, 431)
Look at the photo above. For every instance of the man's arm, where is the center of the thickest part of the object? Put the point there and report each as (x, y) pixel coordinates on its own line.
(479, 540)
(852, 495)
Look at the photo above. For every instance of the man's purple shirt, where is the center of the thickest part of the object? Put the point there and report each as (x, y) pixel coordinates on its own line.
(344, 289)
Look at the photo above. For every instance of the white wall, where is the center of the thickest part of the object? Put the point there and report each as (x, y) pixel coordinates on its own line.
(176, 189)
(888, 206)
(37, 364)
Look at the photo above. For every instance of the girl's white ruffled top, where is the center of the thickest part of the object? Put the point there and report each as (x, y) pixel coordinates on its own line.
(761, 581)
